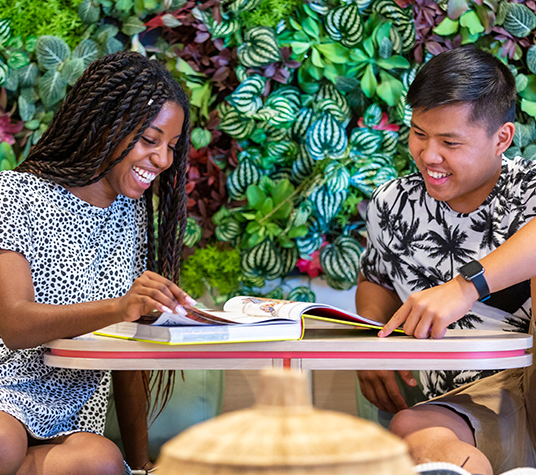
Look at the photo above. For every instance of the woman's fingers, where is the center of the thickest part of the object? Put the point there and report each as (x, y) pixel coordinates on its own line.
(172, 290)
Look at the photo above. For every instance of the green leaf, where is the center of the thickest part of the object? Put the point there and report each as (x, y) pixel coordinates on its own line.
(88, 12)
(184, 67)
(26, 109)
(32, 124)
(390, 89)
(72, 70)
(447, 27)
(467, 37)
(369, 82)
(335, 52)
(255, 239)
(393, 62)
(220, 215)
(358, 56)
(471, 21)
(519, 20)
(52, 88)
(531, 59)
(28, 75)
(310, 26)
(7, 157)
(170, 21)
(273, 229)
(368, 44)
(133, 25)
(87, 51)
(255, 196)
(51, 51)
(15, 42)
(529, 107)
(283, 212)
(124, 5)
(253, 227)
(282, 191)
(298, 231)
(316, 59)
(200, 137)
(30, 43)
(17, 60)
(299, 47)
(267, 206)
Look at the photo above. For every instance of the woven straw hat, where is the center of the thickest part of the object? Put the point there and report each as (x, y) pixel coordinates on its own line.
(284, 434)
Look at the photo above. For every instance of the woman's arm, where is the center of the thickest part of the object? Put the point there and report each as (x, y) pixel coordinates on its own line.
(26, 324)
(430, 312)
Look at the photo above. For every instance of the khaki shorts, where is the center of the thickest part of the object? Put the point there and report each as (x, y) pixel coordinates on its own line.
(496, 409)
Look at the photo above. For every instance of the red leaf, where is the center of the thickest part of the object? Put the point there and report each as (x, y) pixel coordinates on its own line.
(190, 186)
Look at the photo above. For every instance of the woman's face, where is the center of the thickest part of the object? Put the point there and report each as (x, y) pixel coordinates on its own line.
(151, 155)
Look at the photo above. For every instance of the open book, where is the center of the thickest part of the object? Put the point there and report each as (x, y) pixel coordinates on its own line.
(243, 319)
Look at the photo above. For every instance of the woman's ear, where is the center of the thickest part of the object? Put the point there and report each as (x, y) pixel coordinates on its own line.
(503, 137)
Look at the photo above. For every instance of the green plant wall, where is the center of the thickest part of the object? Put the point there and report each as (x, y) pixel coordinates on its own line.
(298, 111)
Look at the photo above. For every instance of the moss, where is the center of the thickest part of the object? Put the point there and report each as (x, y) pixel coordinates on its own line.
(212, 269)
(269, 13)
(50, 17)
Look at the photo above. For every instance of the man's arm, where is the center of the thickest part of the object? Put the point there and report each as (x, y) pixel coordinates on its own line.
(431, 311)
(380, 387)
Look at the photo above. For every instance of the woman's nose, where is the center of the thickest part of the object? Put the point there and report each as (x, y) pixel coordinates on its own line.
(162, 157)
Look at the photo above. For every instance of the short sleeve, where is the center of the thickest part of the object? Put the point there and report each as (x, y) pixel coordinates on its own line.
(373, 265)
(15, 217)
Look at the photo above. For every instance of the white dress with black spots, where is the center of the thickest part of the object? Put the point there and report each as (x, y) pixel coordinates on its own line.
(77, 253)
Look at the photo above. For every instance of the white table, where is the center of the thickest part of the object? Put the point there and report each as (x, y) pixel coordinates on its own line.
(320, 349)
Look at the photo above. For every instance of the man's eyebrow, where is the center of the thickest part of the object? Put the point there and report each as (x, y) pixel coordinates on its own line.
(161, 131)
(445, 134)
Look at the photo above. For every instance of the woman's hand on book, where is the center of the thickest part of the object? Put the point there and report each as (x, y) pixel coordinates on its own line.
(428, 313)
(151, 292)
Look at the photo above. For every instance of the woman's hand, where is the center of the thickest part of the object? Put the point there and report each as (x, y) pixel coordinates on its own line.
(151, 292)
(431, 311)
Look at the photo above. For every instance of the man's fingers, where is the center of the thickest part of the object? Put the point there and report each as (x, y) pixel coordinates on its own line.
(408, 378)
(396, 320)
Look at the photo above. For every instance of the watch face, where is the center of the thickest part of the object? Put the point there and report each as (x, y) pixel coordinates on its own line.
(471, 269)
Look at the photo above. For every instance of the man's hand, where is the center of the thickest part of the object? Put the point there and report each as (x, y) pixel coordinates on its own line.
(381, 389)
(431, 311)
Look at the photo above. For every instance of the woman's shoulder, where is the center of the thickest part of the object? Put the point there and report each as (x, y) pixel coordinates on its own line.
(18, 185)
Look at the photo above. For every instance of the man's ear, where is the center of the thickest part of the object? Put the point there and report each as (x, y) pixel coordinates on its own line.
(503, 137)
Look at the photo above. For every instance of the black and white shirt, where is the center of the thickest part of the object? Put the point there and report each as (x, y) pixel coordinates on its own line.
(77, 253)
(415, 242)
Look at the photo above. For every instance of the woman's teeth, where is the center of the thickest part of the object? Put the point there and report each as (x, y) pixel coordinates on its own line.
(144, 175)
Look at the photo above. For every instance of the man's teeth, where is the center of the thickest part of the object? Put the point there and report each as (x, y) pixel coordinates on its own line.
(144, 175)
(437, 175)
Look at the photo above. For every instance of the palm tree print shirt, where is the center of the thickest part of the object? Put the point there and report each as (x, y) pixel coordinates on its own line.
(415, 242)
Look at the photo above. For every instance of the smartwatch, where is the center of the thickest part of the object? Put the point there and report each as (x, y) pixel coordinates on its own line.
(474, 272)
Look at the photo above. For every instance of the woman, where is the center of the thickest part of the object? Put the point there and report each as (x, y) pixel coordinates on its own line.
(76, 237)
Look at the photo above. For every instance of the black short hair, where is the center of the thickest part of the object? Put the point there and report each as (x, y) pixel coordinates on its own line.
(467, 75)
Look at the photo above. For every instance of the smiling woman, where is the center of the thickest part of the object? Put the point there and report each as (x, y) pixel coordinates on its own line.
(78, 252)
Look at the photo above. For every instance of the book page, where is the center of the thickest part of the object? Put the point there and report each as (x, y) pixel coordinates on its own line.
(268, 308)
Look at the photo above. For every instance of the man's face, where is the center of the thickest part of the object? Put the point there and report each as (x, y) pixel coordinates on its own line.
(459, 161)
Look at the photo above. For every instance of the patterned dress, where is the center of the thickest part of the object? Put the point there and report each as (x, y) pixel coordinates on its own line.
(77, 253)
(416, 242)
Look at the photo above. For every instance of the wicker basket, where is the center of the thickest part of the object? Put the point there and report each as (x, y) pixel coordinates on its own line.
(284, 434)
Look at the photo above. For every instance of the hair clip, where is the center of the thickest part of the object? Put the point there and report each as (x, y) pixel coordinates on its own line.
(150, 102)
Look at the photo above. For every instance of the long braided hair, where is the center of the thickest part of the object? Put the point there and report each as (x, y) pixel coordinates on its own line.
(114, 96)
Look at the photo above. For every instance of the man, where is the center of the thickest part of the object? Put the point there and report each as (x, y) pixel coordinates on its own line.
(466, 201)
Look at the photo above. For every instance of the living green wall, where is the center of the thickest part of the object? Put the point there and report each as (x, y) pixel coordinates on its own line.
(298, 111)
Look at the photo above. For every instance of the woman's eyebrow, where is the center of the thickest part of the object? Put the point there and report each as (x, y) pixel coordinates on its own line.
(161, 131)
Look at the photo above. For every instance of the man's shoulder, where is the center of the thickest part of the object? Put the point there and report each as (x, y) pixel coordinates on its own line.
(391, 190)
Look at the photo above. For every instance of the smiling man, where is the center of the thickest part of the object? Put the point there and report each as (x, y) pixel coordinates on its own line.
(466, 200)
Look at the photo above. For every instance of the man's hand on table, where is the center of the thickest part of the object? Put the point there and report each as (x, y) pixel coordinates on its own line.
(381, 389)
(428, 313)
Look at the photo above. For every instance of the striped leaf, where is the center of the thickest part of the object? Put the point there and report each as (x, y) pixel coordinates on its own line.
(303, 165)
(246, 98)
(344, 24)
(52, 88)
(26, 109)
(390, 141)
(192, 233)
(263, 260)
(340, 260)
(5, 31)
(28, 75)
(238, 6)
(235, 125)
(304, 118)
(309, 244)
(289, 258)
(401, 20)
(224, 28)
(329, 91)
(228, 230)
(260, 48)
(519, 20)
(300, 215)
(302, 294)
(51, 51)
(4, 73)
(290, 92)
(87, 51)
(327, 203)
(330, 106)
(373, 115)
(275, 134)
(281, 113)
(365, 141)
(245, 174)
(326, 137)
(338, 178)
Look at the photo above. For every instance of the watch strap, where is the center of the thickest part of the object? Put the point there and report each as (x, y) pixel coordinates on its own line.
(479, 281)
